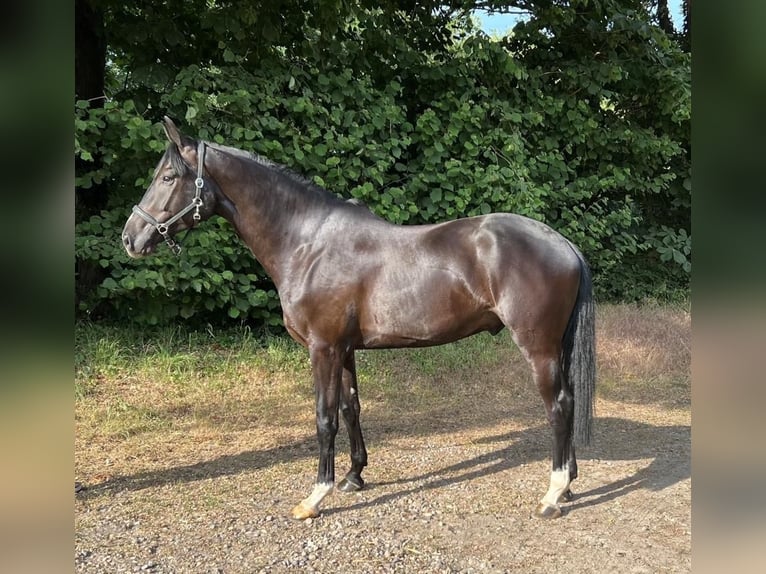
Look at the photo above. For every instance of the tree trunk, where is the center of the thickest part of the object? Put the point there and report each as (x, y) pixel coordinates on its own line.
(663, 16)
(89, 71)
(90, 51)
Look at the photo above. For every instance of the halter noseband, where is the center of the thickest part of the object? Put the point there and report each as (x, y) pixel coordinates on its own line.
(196, 203)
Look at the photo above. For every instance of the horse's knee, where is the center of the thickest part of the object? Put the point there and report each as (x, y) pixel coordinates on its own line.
(346, 410)
(327, 426)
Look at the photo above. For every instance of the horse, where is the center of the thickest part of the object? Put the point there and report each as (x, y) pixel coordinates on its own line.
(349, 280)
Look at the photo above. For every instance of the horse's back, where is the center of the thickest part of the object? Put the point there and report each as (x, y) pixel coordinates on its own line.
(432, 283)
(491, 255)
(507, 246)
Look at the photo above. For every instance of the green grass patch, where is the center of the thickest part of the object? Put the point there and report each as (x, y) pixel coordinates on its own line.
(392, 373)
(180, 357)
(130, 381)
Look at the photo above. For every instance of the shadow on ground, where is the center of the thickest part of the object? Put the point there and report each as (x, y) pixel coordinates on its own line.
(669, 447)
(615, 439)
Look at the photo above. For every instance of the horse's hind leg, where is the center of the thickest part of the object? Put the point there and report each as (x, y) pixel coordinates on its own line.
(568, 496)
(350, 409)
(559, 410)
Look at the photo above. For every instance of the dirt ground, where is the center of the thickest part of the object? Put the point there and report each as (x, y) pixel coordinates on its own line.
(446, 492)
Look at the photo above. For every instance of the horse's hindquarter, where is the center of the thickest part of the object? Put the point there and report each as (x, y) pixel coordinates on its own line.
(536, 278)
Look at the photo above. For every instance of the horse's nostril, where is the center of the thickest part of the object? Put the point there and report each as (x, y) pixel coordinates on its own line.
(125, 240)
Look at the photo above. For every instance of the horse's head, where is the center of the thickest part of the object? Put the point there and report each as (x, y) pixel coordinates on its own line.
(180, 195)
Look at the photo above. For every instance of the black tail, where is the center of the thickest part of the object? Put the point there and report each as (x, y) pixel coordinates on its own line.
(579, 360)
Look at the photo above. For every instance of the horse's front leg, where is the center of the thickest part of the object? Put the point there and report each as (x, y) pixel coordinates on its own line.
(350, 409)
(327, 368)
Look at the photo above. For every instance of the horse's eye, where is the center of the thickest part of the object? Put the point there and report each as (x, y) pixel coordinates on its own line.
(167, 178)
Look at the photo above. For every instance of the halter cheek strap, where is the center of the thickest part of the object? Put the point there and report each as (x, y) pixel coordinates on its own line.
(196, 202)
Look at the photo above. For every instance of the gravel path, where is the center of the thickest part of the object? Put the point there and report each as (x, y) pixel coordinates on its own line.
(440, 501)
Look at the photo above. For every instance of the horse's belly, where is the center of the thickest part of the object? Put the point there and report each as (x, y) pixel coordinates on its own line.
(391, 340)
(423, 316)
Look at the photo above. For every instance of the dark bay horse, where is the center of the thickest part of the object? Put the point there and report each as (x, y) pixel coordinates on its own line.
(349, 280)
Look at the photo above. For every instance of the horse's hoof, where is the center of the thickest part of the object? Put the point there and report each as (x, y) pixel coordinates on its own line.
(547, 511)
(351, 484)
(568, 496)
(302, 512)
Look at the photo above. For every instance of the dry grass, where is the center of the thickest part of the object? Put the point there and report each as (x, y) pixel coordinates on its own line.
(644, 353)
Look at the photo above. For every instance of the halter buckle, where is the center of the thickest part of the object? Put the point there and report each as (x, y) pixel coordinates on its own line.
(174, 247)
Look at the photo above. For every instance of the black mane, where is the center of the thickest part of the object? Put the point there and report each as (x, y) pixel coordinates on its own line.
(299, 181)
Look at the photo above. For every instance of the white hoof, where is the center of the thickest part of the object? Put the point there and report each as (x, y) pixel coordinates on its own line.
(309, 507)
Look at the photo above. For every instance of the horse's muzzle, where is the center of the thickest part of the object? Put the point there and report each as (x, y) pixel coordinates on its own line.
(132, 251)
(138, 238)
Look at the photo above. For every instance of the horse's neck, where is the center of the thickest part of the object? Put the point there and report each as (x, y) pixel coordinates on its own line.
(269, 214)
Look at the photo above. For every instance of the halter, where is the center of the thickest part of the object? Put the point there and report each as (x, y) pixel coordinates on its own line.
(196, 203)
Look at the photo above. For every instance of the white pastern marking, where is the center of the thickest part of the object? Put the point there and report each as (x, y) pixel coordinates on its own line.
(559, 484)
(321, 489)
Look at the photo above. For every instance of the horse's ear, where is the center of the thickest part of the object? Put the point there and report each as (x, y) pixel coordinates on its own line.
(172, 132)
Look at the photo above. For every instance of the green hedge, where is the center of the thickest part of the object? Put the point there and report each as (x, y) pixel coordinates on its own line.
(598, 150)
